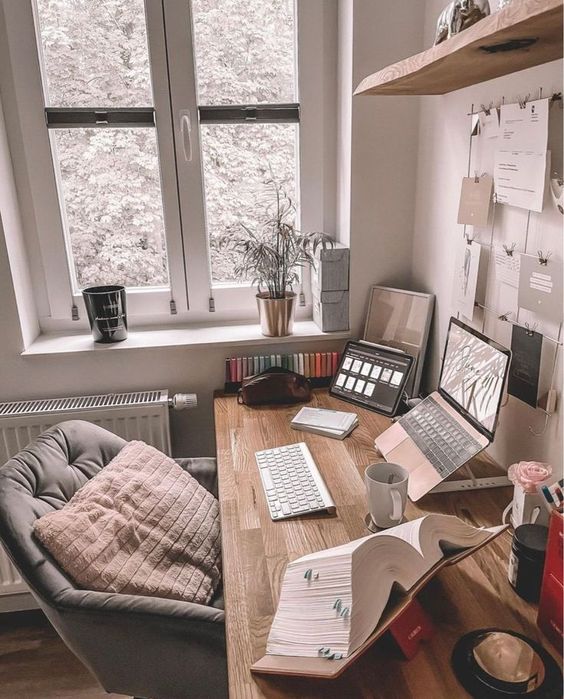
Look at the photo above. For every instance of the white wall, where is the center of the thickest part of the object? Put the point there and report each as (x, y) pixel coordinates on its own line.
(383, 186)
(383, 151)
(442, 162)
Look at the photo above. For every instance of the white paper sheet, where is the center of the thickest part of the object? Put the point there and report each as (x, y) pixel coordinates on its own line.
(521, 157)
(466, 278)
(540, 288)
(520, 178)
(524, 129)
(489, 125)
(507, 267)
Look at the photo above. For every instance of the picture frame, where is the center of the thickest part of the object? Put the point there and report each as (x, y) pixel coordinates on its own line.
(401, 319)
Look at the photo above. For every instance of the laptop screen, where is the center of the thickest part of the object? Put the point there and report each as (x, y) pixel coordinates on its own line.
(473, 375)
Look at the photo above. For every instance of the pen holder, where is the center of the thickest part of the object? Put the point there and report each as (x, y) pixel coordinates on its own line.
(527, 508)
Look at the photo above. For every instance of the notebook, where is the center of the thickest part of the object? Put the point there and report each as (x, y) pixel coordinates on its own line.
(332, 601)
(330, 423)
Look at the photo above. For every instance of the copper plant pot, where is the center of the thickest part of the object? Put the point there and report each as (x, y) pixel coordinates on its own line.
(276, 315)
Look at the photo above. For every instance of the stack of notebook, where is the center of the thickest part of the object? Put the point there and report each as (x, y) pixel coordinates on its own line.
(330, 423)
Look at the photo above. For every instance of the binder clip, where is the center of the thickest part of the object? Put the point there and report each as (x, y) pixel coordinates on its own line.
(487, 110)
(510, 249)
(476, 177)
(344, 612)
(469, 240)
(544, 258)
(504, 317)
(337, 605)
(310, 575)
(523, 102)
(325, 652)
(530, 331)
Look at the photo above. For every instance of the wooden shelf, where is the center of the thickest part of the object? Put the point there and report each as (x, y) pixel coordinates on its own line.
(464, 59)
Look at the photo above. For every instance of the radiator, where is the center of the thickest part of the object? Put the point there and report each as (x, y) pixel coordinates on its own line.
(142, 415)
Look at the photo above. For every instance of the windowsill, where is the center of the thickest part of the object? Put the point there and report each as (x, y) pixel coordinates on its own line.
(193, 336)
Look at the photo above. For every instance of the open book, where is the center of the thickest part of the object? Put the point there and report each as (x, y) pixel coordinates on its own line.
(332, 601)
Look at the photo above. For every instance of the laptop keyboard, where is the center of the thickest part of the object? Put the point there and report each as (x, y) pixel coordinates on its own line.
(439, 436)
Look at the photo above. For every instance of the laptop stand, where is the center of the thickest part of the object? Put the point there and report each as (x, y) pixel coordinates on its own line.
(471, 483)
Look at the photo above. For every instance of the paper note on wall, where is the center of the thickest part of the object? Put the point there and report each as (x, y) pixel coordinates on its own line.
(540, 288)
(507, 267)
(489, 125)
(524, 372)
(475, 200)
(520, 178)
(524, 128)
(466, 278)
(520, 161)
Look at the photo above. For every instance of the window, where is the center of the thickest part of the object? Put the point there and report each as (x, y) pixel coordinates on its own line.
(156, 130)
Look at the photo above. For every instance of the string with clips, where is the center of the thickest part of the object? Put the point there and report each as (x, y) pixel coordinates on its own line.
(522, 101)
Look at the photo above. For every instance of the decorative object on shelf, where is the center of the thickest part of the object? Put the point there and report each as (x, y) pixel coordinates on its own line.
(271, 257)
(458, 15)
(107, 312)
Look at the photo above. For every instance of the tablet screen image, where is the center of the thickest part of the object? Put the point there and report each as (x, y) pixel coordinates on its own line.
(372, 376)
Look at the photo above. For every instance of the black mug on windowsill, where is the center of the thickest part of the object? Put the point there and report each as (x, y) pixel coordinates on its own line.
(107, 312)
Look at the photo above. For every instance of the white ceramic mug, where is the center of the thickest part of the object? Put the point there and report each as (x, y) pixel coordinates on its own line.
(386, 490)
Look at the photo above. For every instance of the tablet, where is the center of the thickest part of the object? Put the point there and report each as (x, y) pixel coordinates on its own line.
(373, 376)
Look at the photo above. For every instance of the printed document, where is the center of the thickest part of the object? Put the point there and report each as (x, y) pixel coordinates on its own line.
(521, 156)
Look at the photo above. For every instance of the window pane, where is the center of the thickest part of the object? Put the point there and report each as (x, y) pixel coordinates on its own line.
(239, 162)
(245, 51)
(111, 197)
(95, 53)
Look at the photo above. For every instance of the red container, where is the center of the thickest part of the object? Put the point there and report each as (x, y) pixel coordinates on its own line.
(551, 609)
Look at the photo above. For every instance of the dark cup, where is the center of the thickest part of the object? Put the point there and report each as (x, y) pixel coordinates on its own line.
(107, 312)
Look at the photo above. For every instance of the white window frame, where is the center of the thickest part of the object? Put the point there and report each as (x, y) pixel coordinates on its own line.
(169, 31)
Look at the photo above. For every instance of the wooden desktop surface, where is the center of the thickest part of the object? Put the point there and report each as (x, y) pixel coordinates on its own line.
(473, 594)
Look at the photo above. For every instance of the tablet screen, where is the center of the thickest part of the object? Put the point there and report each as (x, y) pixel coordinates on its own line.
(372, 376)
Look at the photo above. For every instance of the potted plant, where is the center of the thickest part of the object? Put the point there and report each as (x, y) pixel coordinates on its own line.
(271, 257)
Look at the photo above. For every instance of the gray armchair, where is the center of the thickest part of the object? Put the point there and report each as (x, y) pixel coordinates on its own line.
(144, 646)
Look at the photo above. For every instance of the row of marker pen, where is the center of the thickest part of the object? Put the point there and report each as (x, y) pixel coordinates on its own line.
(310, 364)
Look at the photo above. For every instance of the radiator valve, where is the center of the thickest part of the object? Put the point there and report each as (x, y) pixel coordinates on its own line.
(183, 401)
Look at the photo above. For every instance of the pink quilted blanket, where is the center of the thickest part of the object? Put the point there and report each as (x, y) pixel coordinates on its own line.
(142, 526)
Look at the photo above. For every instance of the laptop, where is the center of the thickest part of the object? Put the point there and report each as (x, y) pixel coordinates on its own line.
(456, 422)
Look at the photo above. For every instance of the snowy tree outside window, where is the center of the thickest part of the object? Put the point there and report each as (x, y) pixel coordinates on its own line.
(95, 54)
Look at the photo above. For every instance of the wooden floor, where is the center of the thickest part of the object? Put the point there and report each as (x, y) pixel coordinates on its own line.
(36, 664)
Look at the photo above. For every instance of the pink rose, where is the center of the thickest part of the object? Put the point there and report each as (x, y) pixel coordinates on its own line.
(529, 474)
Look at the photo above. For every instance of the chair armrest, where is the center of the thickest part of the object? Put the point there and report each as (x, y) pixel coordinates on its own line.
(91, 600)
(204, 470)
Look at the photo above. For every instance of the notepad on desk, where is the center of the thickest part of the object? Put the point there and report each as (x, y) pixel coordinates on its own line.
(329, 423)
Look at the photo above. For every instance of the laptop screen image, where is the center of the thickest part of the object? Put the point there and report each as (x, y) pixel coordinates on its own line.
(473, 375)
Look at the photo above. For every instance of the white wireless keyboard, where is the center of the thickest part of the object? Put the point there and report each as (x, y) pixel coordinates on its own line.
(292, 483)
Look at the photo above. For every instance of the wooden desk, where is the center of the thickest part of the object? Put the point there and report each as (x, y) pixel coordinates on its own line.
(471, 595)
